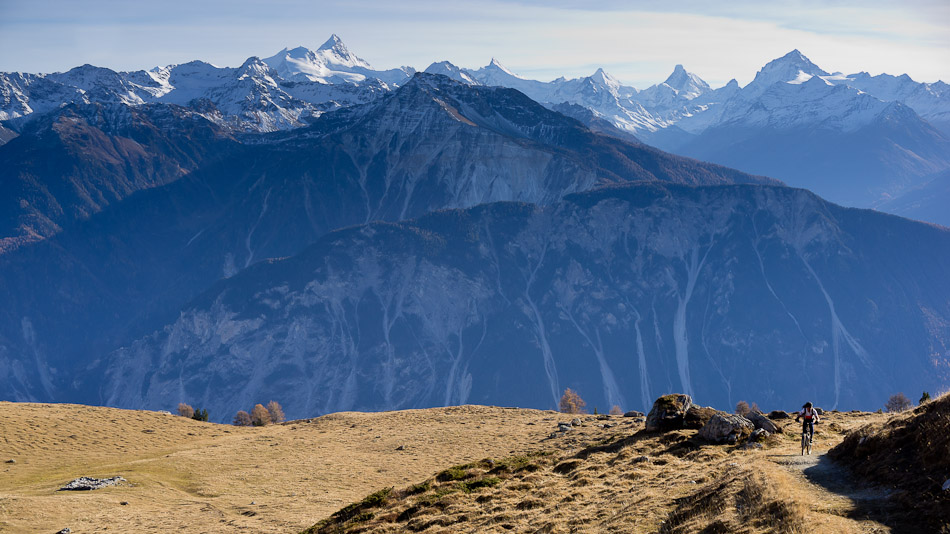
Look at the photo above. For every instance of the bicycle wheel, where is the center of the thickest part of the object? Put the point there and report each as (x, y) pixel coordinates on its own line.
(804, 443)
(809, 445)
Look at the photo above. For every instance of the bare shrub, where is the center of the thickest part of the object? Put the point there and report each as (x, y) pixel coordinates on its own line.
(742, 408)
(755, 408)
(616, 410)
(242, 418)
(898, 403)
(185, 410)
(571, 402)
(276, 412)
(260, 416)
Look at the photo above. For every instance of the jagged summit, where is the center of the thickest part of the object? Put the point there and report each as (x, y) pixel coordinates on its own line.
(333, 42)
(497, 66)
(253, 66)
(332, 63)
(678, 76)
(335, 51)
(601, 76)
(687, 84)
(793, 67)
(446, 68)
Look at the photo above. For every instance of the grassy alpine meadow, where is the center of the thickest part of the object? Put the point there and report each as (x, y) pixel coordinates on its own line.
(456, 469)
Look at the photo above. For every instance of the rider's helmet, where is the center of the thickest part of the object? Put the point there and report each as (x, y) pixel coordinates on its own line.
(807, 405)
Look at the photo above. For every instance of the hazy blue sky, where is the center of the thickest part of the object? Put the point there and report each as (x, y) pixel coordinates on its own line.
(637, 42)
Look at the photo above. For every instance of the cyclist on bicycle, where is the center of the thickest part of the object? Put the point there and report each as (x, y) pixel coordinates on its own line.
(809, 417)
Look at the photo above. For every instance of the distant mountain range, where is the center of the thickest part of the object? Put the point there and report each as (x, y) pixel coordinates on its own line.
(115, 270)
(859, 140)
(141, 215)
(856, 139)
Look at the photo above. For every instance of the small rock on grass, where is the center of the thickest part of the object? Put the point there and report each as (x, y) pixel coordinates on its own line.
(946, 485)
(11, 461)
(89, 483)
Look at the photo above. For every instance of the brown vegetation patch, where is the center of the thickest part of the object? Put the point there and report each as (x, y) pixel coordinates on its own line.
(909, 453)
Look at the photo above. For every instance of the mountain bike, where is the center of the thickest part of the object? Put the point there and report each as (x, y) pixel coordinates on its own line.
(807, 438)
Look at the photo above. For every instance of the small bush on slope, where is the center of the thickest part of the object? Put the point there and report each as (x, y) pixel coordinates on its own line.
(276, 412)
(260, 416)
(571, 402)
(242, 418)
(898, 403)
(185, 410)
(911, 454)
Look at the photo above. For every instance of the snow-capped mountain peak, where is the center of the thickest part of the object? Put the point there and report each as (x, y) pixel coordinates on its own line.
(255, 68)
(333, 42)
(446, 68)
(793, 67)
(496, 65)
(686, 84)
(331, 63)
(335, 52)
(602, 78)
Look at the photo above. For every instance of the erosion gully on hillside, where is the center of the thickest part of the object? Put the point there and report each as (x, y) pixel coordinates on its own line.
(606, 475)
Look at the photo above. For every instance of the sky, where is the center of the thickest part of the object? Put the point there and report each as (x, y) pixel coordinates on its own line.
(637, 42)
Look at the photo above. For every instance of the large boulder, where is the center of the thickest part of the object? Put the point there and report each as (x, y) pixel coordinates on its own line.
(779, 414)
(763, 422)
(697, 416)
(669, 412)
(726, 428)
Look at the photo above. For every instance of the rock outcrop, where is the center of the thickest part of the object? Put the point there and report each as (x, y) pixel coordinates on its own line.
(697, 416)
(725, 428)
(763, 422)
(669, 412)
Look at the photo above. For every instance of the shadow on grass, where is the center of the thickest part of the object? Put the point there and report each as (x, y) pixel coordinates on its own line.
(869, 502)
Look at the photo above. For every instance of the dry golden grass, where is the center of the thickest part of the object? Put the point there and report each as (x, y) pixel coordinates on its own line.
(639, 483)
(188, 476)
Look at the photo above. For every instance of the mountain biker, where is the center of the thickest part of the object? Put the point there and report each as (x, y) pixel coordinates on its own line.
(809, 417)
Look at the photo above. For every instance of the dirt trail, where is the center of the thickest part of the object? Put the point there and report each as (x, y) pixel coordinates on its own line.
(832, 491)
